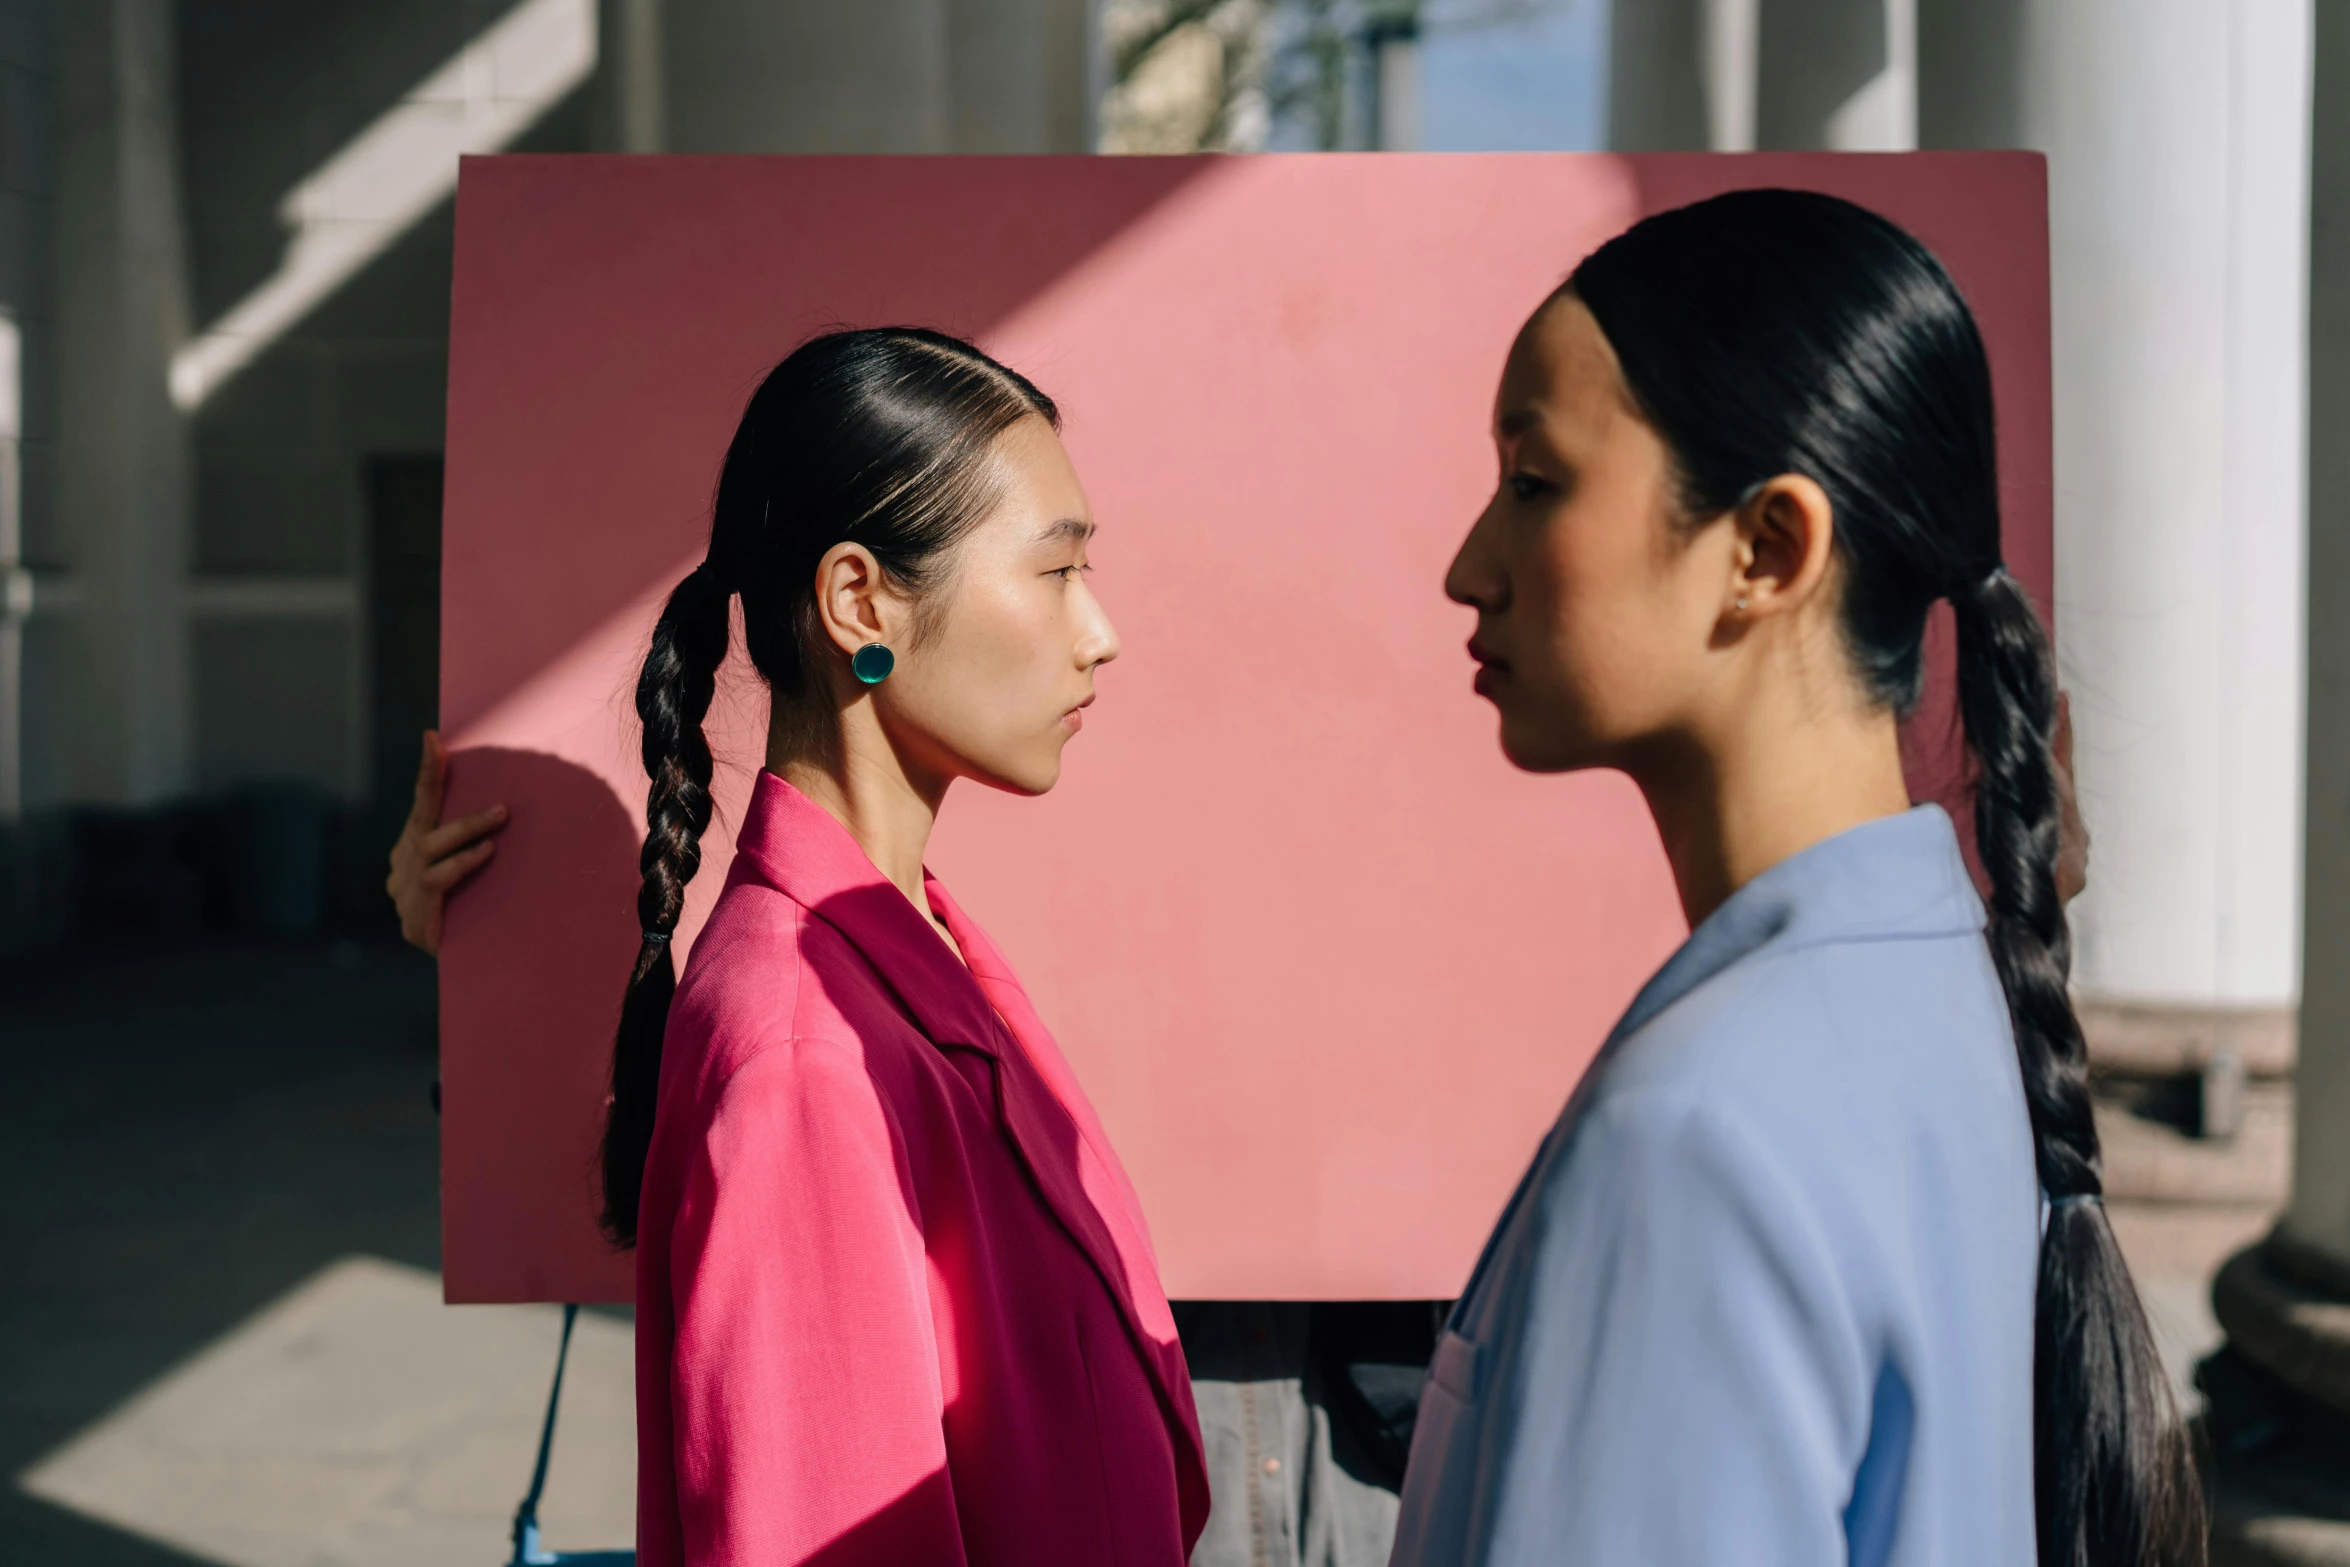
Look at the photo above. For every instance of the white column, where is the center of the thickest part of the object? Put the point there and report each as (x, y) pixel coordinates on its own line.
(1836, 75)
(1883, 115)
(2320, 1214)
(1017, 72)
(2176, 132)
(1728, 49)
(1396, 62)
(631, 109)
(758, 76)
(122, 450)
(1659, 94)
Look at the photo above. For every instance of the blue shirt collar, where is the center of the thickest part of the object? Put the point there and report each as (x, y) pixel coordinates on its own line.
(1898, 876)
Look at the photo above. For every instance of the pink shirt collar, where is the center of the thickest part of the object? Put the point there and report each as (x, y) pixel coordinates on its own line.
(804, 852)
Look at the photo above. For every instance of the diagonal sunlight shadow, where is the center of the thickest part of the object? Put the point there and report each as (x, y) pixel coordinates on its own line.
(649, 296)
(358, 1421)
(610, 316)
(359, 202)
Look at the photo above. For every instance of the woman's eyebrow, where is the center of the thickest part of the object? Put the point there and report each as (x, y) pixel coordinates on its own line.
(1076, 528)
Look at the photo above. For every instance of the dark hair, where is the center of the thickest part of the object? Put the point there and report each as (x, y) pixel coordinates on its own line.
(1771, 332)
(877, 437)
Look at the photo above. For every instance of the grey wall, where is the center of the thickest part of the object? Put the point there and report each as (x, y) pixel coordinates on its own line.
(269, 90)
(246, 524)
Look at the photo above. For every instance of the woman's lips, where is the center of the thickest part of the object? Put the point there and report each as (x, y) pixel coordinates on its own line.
(1490, 670)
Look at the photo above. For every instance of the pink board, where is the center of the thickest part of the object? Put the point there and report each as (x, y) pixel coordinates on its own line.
(1327, 965)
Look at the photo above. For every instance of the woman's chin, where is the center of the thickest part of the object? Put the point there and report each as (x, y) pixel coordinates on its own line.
(1030, 776)
(1537, 748)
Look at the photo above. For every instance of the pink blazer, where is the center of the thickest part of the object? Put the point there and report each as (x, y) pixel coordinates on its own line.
(895, 1300)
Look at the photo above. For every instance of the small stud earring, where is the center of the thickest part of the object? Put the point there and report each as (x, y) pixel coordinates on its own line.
(873, 663)
(1742, 603)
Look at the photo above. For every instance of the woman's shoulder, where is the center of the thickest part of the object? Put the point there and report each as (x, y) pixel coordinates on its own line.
(1794, 1037)
(1830, 1090)
(766, 973)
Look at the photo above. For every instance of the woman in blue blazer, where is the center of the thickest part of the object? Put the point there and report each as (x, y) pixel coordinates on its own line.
(1813, 1269)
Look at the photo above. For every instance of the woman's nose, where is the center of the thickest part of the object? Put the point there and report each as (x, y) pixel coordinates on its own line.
(1100, 643)
(1471, 579)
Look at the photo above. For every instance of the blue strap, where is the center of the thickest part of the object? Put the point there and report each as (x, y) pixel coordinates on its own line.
(528, 1552)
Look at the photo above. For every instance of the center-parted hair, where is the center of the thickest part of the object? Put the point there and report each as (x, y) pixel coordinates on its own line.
(1773, 332)
(879, 437)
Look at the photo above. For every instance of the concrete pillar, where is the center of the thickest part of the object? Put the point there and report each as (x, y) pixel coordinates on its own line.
(1018, 72)
(122, 450)
(1730, 57)
(1838, 75)
(754, 76)
(2320, 1214)
(2176, 132)
(876, 76)
(1970, 73)
(1737, 75)
(631, 105)
(1658, 98)
(1395, 82)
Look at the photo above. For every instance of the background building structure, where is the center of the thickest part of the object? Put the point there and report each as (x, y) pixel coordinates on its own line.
(224, 258)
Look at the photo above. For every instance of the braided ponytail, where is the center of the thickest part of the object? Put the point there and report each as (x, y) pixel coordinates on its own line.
(672, 698)
(1769, 332)
(877, 437)
(2115, 1477)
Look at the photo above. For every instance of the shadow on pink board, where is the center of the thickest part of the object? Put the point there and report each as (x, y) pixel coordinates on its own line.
(1326, 964)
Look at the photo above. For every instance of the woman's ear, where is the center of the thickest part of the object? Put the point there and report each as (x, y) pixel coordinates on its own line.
(1786, 542)
(854, 598)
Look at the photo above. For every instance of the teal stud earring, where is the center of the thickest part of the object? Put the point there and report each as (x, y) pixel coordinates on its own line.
(873, 663)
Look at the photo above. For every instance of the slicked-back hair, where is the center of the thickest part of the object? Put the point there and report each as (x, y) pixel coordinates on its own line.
(879, 437)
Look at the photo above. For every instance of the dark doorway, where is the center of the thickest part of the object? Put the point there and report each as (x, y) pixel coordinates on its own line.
(404, 627)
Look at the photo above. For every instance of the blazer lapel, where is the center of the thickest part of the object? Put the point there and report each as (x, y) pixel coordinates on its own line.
(803, 851)
(1053, 1124)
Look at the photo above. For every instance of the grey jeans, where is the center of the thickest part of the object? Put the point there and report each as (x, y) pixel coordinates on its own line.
(1303, 1469)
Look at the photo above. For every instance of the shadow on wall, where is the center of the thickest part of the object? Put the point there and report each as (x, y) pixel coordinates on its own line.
(534, 1051)
(547, 244)
(580, 468)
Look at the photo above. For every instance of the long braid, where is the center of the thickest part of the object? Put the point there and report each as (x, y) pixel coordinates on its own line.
(2115, 1479)
(672, 698)
(2007, 698)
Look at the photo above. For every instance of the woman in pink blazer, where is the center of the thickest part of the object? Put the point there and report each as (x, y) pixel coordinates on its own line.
(895, 1299)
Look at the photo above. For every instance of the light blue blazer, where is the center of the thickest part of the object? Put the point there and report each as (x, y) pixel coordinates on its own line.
(1766, 1294)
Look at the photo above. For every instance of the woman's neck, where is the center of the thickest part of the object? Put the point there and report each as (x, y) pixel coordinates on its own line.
(1766, 787)
(850, 769)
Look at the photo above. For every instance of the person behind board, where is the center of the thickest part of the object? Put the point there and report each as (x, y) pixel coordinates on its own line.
(1813, 1267)
(895, 1298)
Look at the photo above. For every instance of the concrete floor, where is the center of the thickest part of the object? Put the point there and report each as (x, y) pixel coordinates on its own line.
(220, 1333)
(221, 1339)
